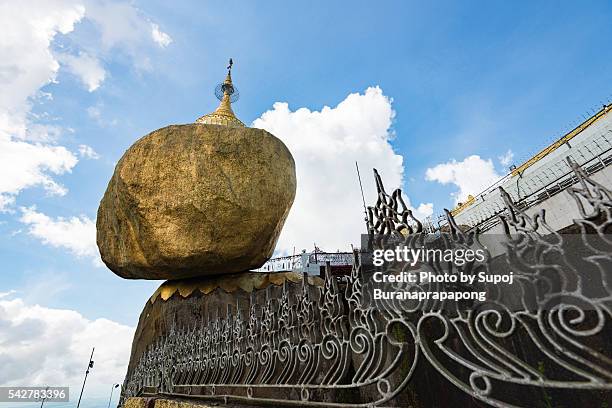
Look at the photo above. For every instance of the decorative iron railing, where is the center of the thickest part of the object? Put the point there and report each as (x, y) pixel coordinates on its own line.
(337, 345)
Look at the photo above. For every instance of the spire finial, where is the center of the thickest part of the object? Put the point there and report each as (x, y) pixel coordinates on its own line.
(227, 93)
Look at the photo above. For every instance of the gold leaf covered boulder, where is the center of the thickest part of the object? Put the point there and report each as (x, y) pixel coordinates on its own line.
(192, 200)
(200, 199)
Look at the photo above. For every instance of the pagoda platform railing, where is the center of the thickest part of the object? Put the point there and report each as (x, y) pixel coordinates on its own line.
(336, 345)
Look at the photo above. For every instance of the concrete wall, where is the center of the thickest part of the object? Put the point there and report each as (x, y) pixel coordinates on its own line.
(560, 212)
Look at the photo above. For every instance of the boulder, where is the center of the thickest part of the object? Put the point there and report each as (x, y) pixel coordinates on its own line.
(193, 200)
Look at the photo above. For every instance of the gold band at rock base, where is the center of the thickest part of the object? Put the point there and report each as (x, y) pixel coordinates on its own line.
(247, 281)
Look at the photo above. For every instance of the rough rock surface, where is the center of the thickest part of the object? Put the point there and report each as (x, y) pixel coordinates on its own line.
(193, 200)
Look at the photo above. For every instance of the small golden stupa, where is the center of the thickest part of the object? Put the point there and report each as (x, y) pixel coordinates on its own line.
(227, 93)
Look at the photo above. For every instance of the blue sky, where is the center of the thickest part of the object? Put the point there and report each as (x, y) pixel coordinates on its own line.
(465, 78)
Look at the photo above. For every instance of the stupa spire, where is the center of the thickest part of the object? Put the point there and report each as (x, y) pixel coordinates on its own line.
(227, 93)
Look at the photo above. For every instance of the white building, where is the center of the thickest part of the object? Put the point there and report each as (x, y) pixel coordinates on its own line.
(541, 181)
(312, 263)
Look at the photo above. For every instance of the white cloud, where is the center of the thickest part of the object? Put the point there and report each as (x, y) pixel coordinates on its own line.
(325, 145)
(506, 158)
(25, 165)
(123, 27)
(7, 294)
(26, 65)
(26, 61)
(77, 234)
(29, 154)
(87, 68)
(472, 175)
(6, 202)
(94, 112)
(423, 210)
(44, 346)
(162, 39)
(88, 152)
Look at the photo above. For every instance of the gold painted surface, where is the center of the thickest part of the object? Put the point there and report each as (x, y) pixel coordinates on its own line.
(171, 209)
(563, 140)
(216, 118)
(247, 281)
(167, 403)
(135, 402)
(139, 402)
(223, 115)
(461, 207)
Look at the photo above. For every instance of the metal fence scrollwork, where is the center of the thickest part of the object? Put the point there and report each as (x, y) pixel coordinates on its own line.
(336, 345)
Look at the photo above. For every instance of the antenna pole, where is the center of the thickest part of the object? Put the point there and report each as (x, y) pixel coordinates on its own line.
(44, 399)
(89, 365)
(365, 210)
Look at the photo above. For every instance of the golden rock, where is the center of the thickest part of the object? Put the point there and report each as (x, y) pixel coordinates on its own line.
(194, 200)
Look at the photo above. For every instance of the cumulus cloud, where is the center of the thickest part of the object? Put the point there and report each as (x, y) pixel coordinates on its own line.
(26, 61)
(29, 152)
(471, 176)
(325, 145)
(162, 39)
(24, 165)
(26, 65)
(76, 234)
(87, 68)
(423, 211)
(6, 294)
(124, 28)
(88, 152)
(506, 158)
(6, 202)
(43, 346)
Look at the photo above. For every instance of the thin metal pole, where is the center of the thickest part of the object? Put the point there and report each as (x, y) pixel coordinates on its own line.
(111, 395)
(43, 400)
(365, 210)
(89, 365)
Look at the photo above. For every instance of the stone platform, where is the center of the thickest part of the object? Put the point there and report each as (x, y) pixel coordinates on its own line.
(140, 402)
